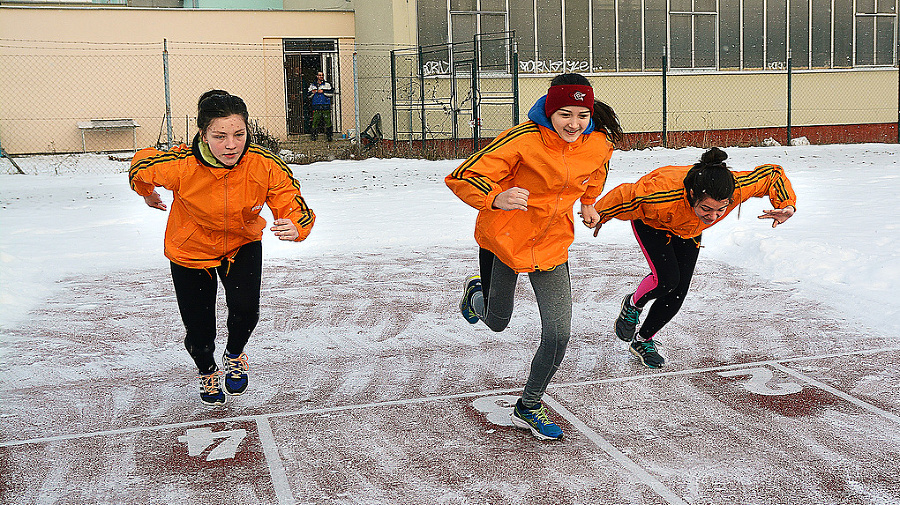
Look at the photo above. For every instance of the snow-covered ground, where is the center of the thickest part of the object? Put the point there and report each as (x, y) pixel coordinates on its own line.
(841, 247)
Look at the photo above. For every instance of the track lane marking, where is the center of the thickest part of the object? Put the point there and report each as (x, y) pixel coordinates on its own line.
(837, 392)
(413, 401)
(638, 471)
(276, 466)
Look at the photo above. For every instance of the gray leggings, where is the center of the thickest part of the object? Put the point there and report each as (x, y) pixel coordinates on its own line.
(553, 291)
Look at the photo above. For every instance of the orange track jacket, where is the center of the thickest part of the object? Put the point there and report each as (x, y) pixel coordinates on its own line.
(555, 173)
(660, 200)
(216, 210)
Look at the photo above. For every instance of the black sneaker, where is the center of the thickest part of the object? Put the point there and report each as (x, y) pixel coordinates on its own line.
(211, 389)
(626, 323)
(646, 351)
(471, 286)
(236, 377)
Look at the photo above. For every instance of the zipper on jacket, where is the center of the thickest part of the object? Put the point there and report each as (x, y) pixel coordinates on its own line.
(555, 212)
(225, 217)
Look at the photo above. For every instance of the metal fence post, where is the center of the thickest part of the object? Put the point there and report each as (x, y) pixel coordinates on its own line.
(789, 72)
(168, 97)
(515, 78)
(356, 98)
(422, 96)
(665, 61)
(394, 93)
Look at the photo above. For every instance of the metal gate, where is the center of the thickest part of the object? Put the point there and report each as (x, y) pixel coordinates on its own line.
(457, 93)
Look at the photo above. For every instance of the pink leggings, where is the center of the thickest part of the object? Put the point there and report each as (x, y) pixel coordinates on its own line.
(672, 260)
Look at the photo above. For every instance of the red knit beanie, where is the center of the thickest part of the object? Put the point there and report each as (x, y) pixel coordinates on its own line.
(568, 94)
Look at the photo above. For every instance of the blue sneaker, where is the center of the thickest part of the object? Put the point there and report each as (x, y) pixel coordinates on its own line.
(472, 286)
(536, 420)
(236, 368)
(626, 323)
(646, 351)
(211, 389)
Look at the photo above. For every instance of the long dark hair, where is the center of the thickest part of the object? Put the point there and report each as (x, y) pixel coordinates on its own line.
(217, 103)
(605, 118)
(710, 177)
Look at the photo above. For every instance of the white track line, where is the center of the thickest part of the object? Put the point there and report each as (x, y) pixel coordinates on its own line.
(852, 399)
(276, 466)
(608, 448)
(413, 401)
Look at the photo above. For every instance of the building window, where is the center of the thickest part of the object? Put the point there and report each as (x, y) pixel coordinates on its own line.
(555, 36)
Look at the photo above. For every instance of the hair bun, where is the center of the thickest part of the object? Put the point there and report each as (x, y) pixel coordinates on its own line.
(713, 156)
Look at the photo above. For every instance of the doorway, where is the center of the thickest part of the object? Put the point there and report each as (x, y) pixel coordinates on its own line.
(301, 64)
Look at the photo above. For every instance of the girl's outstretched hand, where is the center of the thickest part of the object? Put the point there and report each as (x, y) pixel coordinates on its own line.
(778, 216)
(285, 229)
(155, 201)
(512, 199)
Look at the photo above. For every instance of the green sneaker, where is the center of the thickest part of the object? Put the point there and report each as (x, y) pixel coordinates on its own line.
(626, 323)
(536, 420)
(646, 351)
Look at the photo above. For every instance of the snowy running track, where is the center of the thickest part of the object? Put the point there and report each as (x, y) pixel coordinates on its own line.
(355, 402)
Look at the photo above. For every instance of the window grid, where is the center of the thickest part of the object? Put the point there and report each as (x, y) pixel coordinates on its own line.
(880, 25)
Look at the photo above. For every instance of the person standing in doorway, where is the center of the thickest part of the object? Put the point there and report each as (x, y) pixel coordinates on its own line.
(321, 94)
(524, 185)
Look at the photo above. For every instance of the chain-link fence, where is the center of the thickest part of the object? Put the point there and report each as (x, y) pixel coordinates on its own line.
(59, 98)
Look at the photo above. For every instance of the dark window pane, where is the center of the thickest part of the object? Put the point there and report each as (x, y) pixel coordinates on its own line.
(629, 35)
(681, 6)
(705, 41)
(521, 20)
(463, 27)
(887, 6)
(549, 31)
(865, 6)
(730, 35)
(462, 5)
(705, 5)
(432, 19)
(884, 41)
(865, 41)
(843, 33)
(493, 5)
(753, 33)
(604, 27)
(654, 33)
(680, 33)
(799, 33)
(821, 35)
(776, 35)
(578, 43)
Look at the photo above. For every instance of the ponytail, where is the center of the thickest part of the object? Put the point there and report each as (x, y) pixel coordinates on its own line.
(605, 119)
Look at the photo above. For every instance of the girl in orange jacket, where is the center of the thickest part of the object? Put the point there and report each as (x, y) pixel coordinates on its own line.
(524, 185)
(220, 184)
(669, 208)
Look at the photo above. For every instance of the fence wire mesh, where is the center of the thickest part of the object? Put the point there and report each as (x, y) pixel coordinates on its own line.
(446, 95)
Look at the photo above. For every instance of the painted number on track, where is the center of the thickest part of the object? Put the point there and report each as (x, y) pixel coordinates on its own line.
(200, 439)
(496, 408)
(760, 382)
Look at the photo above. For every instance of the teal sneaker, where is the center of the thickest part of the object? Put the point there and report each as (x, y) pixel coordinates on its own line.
(537, 420)
(471, 286)
(236, 377)
(626, 323)
(646, 351)
(211, 389)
